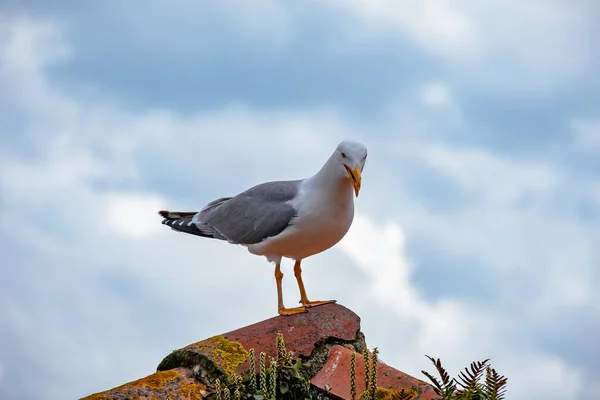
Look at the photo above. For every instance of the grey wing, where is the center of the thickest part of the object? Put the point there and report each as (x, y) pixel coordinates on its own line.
(253, 215)
(214, 204)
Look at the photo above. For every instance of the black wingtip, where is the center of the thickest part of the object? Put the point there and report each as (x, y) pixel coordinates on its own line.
(185, 224)
(163, 213)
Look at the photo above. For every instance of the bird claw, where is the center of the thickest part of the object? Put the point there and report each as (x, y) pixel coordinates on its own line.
(292, 311)
(316, 303)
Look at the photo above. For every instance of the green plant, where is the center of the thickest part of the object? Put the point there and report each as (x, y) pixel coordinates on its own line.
(373, 378)
(468, 385)
(263, 372)
(370, 374)
(280, 379)
(372, 390)
(252, 361)
(367, 361)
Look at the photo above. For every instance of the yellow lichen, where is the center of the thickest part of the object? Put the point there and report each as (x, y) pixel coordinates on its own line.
(154, 381)
(224, 353)
(192, 391)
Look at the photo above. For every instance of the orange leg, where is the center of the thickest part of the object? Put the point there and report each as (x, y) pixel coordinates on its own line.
(303, 298)
(281, 308)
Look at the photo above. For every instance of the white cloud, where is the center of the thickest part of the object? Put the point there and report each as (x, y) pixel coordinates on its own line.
(442, 327)
(586, 135)
(435, 94)
(450, 329)
(379, 251)
(25, 49)
(547, 378)
(264, 26)
(133, 214)
(21, 38)
(496, 179)
(436, 25)
(441, 107)
(507, 45)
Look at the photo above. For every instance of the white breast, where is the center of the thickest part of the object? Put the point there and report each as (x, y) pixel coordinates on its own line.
(324, 217)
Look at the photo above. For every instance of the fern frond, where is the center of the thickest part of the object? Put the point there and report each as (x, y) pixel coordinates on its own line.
(447, 382)
(470, 378)
(495, 384)
(403, 395)
(437, 386)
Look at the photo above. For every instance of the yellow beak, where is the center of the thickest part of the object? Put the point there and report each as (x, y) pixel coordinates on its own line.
(355, 176)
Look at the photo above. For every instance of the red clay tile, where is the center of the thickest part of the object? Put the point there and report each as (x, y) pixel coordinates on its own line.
(302, 332)
(335, 376)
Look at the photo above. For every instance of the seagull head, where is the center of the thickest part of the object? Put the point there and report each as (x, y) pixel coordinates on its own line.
(352, 156)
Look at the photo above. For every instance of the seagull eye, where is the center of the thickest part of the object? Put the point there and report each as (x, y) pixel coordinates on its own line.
(343, 155)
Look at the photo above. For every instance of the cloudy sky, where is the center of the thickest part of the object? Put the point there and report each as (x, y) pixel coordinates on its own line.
(477, 230)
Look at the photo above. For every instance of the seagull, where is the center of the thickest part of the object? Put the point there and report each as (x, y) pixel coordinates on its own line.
(293, 219)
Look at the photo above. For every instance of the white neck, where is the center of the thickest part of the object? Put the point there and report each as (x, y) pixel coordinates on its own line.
(330, 182)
